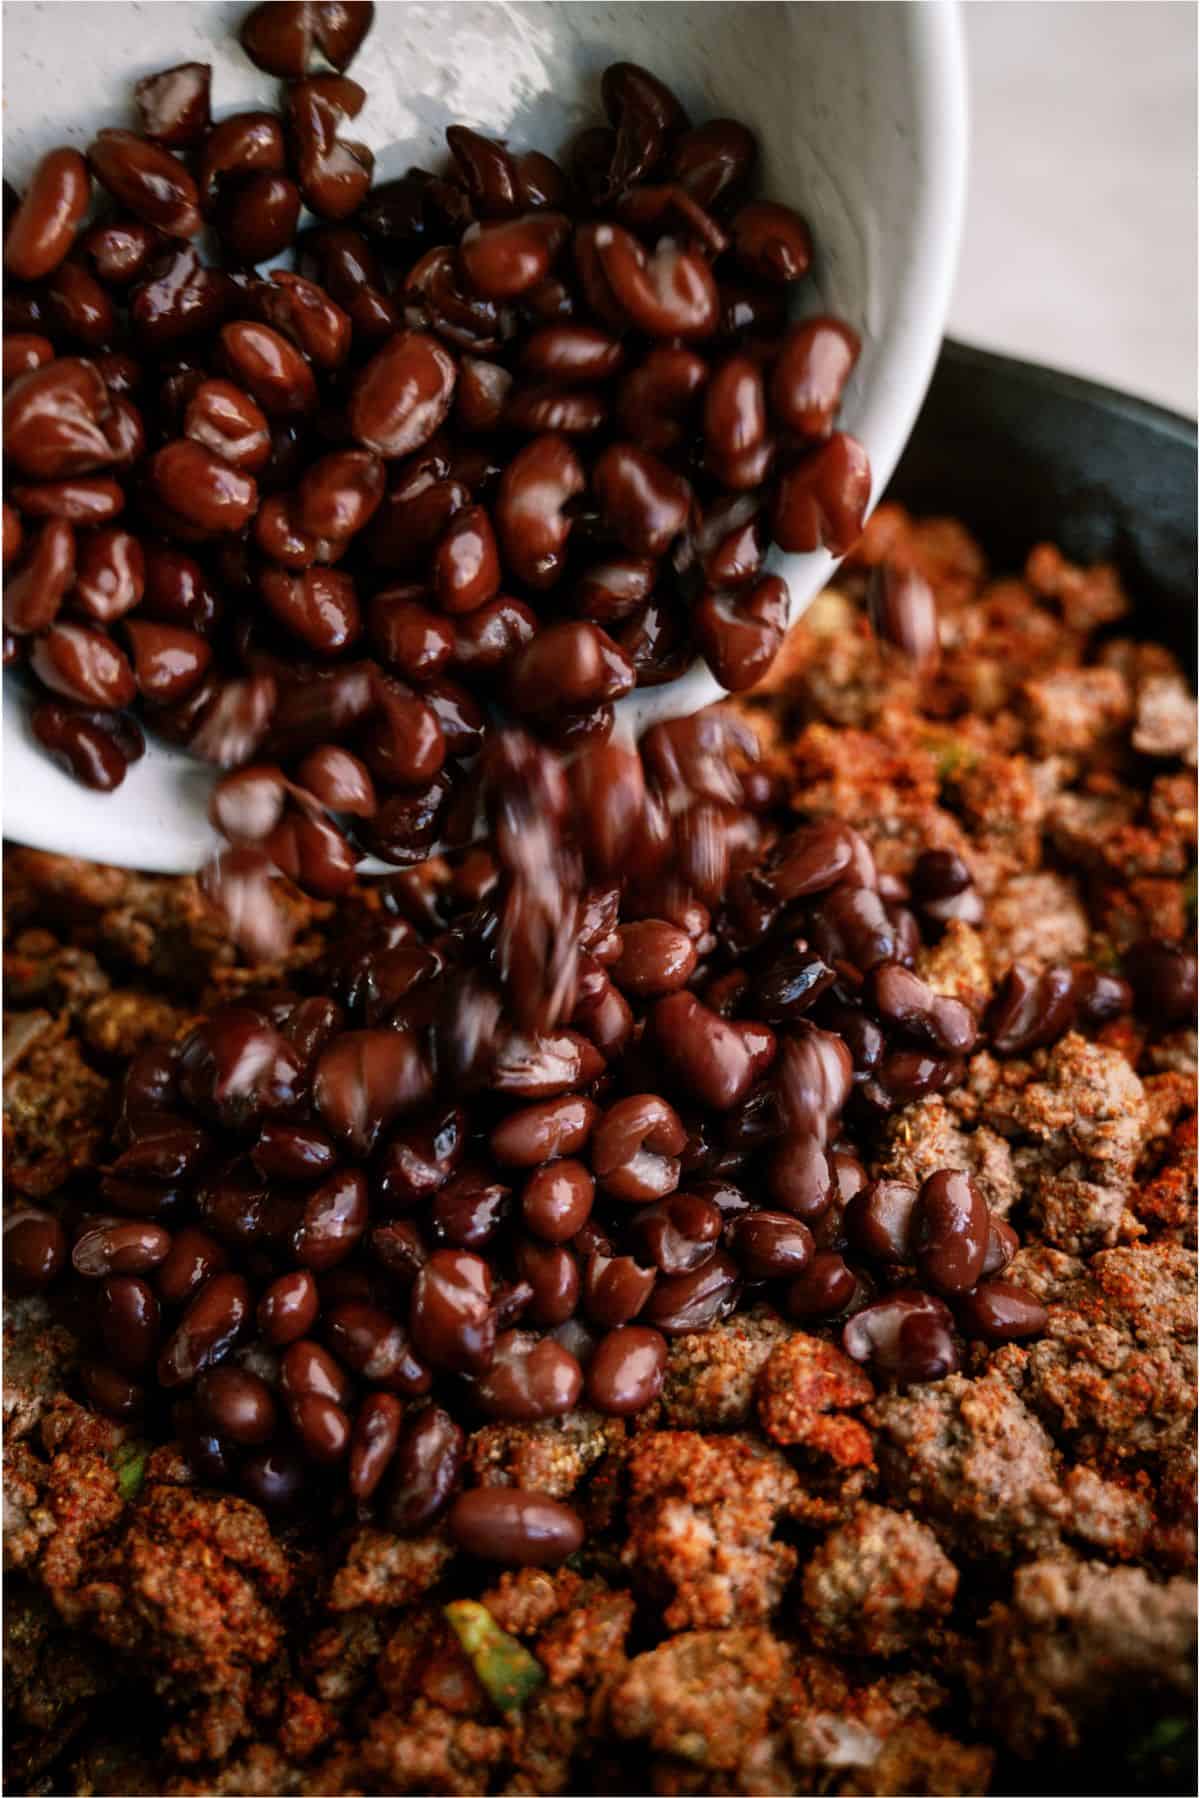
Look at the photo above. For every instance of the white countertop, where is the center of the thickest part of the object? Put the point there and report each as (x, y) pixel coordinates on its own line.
(1080, 240)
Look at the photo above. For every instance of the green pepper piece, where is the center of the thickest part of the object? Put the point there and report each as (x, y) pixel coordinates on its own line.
(130, 1463)
(507, 1672)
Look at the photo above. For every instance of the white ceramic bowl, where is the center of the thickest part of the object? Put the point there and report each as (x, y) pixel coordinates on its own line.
(860, 112)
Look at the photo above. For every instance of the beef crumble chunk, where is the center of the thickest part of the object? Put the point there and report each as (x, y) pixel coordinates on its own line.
(1075, 1640)
(877, 1583)
(191, 1589)
(551, 1457)
(704, 1696)
(700, 1516)
(1084, 1123)
(709, 1383)
(1114, 1375)
(970, 1458)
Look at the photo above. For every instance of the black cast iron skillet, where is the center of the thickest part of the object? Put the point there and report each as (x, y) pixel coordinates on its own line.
(1022, 455)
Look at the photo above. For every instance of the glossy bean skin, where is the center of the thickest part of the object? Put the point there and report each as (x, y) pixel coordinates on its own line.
(529, 1378)
(770, 1245)
(202, 488)
(466, 563)
(668, 294)
(403, 395)
(24, 351)
(504, 259)
(83, 665)
(147, 180)
(238, 1404)
(538, 1133)
(999, 1311)
(529, 512)
(35, 1251)
(33, 596)
(373, 1442)
(615, 1288)
(771, 242)
(905, 1336)
(903, 612)
(677, 1234)
(645, 503)
(128, 1314)
(320, 606)
(516, 1528)
(193, 1258)
(110, 573)
(288, 1308)
(821, 503)
(810, 374)
(553, 1272)
(373, 1344)
(879, 1221)
(626, 1373)
(706, 1053)
(424, 1470)
(173, 106)
(740, 633)
(81, 744)
(168, 663)
(950, 1232)
(656, 958)
(207, 1330)
(54, 420)
(43, 229)
(556, 1200)
(451, 1320)
(270, 369)
(334, 173)
(78, 307)
(635, 1148)
(1030, 1008)
(1163, 977)
(694, 1301)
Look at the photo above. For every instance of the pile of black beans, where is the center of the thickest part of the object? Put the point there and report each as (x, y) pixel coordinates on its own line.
(344, 1226)
(512, 438)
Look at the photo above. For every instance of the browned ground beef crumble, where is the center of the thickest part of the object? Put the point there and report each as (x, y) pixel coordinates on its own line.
(794, 1580)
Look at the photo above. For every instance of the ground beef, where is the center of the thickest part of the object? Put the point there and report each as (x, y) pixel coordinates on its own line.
(804, 1391)
(1074, 711)
(875, 1739)
(703, 1697)
(957, 965)
(39, 1356)
(546, 1457)
(1114, 1375)
(1077, 1641)
(431, 1750)
(1084, 1123)
(700, 1520)
(877, 1583)
(1165, 719)
(56, 1116)
(1000, 797)
(191, 1590)
(710, 1376)
(1037, 919)
(926, 1136)
(382, 1570)
(972, 1460)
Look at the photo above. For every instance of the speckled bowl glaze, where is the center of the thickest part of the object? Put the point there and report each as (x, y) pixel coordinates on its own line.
(860, 111)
